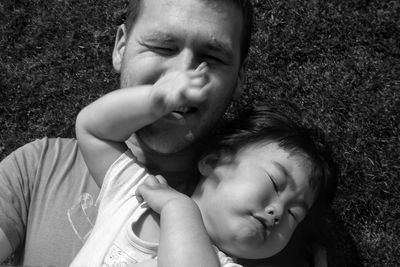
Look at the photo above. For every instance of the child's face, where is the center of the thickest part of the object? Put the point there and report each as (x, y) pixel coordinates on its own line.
(252, 204)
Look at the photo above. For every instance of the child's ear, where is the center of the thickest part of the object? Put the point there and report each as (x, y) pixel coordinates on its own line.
(207, 164)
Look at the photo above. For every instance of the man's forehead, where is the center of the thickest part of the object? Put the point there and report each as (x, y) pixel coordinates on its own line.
(220, 6)
(213, 3)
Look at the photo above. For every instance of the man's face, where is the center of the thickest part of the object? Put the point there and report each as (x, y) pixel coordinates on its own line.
(179, 35)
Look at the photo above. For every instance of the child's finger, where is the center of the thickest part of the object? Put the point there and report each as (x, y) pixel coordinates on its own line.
(143, 192)
(152, 180)
(149, 185)
(161, 179)
(199, 71)
(197, 95)
(139, 198)
(200, 80)
(201, 67)
(149, 196)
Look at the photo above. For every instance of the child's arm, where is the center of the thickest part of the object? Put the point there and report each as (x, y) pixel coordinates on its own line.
(184, 240)
(103, 126)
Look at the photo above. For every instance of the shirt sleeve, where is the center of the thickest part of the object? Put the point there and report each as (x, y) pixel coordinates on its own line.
(225, 260)
(121, 179)
(116, 204)
(17, 174)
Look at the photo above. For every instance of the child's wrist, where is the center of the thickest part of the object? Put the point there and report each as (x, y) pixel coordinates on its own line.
(183, 204)
(157, 104)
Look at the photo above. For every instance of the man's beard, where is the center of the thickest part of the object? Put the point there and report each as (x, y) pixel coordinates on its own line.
(162, 140)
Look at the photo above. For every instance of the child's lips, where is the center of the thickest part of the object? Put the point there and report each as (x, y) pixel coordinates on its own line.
(263, 226)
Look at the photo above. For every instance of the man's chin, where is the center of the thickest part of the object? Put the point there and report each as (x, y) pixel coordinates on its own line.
(163, 143)
(161, 149)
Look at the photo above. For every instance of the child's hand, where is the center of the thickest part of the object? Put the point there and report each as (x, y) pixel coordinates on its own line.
(178, 89)
(156, 192)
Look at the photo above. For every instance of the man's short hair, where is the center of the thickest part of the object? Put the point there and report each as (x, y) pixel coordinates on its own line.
(244, 5)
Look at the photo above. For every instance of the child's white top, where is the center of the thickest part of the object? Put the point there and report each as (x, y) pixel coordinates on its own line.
(112, 241)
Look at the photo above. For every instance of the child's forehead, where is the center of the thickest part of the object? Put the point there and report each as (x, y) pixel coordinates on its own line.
(272, 153)
(274, 148)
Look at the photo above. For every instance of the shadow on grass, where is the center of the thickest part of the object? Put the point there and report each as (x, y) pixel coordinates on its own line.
(341, 246)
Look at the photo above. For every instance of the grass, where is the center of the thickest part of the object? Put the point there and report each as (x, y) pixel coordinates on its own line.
(338, 60)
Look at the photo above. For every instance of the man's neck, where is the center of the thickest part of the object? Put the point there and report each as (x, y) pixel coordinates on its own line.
(180, 169)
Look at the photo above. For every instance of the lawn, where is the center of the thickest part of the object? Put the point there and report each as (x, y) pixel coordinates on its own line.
(338, 60)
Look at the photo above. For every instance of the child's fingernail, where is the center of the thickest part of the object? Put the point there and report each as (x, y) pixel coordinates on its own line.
(202, 66)
(139, 199)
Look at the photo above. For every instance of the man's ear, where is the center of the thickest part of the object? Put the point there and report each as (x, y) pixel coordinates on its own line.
(207, 164)
(241, 79)
(119, 47)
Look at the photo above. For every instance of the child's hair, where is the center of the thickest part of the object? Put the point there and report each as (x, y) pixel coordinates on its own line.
(292, 133)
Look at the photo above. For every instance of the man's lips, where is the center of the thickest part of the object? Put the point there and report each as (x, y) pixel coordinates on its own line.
(184, 110)
(181, 112)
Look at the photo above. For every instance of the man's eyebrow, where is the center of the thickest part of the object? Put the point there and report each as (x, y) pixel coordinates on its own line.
(289, 177)
(219, 46)
(158, 36)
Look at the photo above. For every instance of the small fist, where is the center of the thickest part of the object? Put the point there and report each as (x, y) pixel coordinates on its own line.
(178, 89)
(156, 193)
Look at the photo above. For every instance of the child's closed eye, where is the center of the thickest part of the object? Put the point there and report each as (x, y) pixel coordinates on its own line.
(298, 213)
(274, 183)
(291, 213)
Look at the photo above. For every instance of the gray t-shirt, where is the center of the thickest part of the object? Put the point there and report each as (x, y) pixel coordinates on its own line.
(47, 199)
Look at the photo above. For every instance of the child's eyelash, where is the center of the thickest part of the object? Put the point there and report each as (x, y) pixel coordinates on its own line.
(274, 183)
(293, 215)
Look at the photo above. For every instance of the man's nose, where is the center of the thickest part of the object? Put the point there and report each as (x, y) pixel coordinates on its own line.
(273, 214)
(185, 60)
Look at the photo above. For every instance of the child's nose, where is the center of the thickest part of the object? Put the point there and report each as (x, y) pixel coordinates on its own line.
(273, 214)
